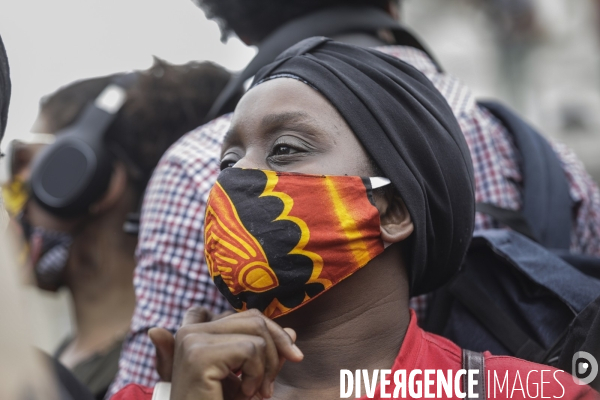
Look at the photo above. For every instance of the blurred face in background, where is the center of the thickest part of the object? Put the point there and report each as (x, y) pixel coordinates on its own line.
(19, 156)
(5, 89)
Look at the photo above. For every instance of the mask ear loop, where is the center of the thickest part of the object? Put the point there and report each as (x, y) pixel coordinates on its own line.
(376, 183)
(379, 181)
(131, 226)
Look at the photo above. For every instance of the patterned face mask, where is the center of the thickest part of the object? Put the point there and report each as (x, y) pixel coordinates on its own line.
(48, 252)
(274, 241)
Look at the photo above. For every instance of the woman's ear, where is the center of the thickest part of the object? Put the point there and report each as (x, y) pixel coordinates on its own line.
(114, 192)
(396, 224)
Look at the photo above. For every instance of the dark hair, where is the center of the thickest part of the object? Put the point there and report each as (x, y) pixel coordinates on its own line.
(4, 88)
(253, 20)
(164, 103)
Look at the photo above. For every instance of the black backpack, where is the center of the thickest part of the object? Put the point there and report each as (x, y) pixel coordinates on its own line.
(521, 292)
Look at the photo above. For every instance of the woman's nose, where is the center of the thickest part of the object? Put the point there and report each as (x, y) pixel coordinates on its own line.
(251, 160)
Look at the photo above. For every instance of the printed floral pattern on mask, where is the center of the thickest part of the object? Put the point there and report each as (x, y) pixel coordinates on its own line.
(274, 241)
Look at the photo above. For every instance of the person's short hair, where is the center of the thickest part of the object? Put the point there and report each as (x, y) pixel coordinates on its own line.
(253, 20)
(165, 102)
(4, 88)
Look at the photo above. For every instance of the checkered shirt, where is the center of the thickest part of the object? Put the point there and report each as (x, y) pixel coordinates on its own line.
(172, 275)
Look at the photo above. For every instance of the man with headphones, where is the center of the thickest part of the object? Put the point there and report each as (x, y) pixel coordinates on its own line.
(86, 191)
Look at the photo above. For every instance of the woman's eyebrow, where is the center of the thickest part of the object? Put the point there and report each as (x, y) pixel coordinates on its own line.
(295, 120)
(272, 123)
(284, 118)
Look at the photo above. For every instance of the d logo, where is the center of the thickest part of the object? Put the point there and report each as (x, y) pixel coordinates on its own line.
(584, 367)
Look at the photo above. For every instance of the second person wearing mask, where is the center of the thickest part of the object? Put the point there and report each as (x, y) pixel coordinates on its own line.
(91, 254)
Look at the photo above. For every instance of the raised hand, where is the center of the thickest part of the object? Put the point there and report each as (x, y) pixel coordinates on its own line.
(210, 355)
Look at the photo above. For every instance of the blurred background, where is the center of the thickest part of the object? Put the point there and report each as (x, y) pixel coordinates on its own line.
(542, 57)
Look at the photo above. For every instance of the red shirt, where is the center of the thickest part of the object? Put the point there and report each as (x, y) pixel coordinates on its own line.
(426, 356)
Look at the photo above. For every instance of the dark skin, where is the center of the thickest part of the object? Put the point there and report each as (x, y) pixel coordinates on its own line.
(360, 323)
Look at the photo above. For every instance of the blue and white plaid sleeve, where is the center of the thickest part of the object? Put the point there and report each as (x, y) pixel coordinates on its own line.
(171, 273)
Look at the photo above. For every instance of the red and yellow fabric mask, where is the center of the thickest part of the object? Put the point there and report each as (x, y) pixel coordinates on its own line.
(274, 240)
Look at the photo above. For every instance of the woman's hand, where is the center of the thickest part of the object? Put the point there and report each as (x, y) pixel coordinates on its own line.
(208, 356)
(164, 341)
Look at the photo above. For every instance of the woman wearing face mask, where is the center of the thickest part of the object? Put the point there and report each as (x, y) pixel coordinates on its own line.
(305, 237)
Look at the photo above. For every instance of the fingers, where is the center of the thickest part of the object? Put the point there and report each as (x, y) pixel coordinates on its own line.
(283, 341)
(279, 344)
(164, 342)
(246, 342)
(253, 369)
(250, 330)
(291, 333)
(205, 361)
(197, 315)
(223, 315)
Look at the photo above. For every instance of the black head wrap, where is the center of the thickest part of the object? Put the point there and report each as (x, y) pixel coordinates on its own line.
(4, 88)
(410, 132)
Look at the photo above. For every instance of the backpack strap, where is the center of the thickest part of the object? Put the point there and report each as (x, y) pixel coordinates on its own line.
(511, 218)
(474, 360)
(545, 186)
(328, 22)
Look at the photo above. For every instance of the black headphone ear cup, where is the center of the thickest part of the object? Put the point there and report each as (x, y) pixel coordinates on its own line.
(70, 175)
(74, 172)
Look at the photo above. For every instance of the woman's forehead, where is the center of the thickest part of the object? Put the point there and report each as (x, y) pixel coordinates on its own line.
(285, 101)
(285, 107)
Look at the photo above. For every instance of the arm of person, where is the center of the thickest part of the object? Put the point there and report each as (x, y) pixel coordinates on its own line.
(171, 274)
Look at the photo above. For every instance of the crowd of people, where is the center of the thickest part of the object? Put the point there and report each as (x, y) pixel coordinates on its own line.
(220, 242)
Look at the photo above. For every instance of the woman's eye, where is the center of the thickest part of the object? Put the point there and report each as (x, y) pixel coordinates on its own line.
(227, 164)
(282, 150)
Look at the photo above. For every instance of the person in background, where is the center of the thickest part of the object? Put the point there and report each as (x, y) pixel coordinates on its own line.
(14, 192)
(171, 247)
(19, 156)
(25, 374)
(92, 255)
(5, 89)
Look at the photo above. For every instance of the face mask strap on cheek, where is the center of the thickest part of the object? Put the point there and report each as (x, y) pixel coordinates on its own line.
(274, 241)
